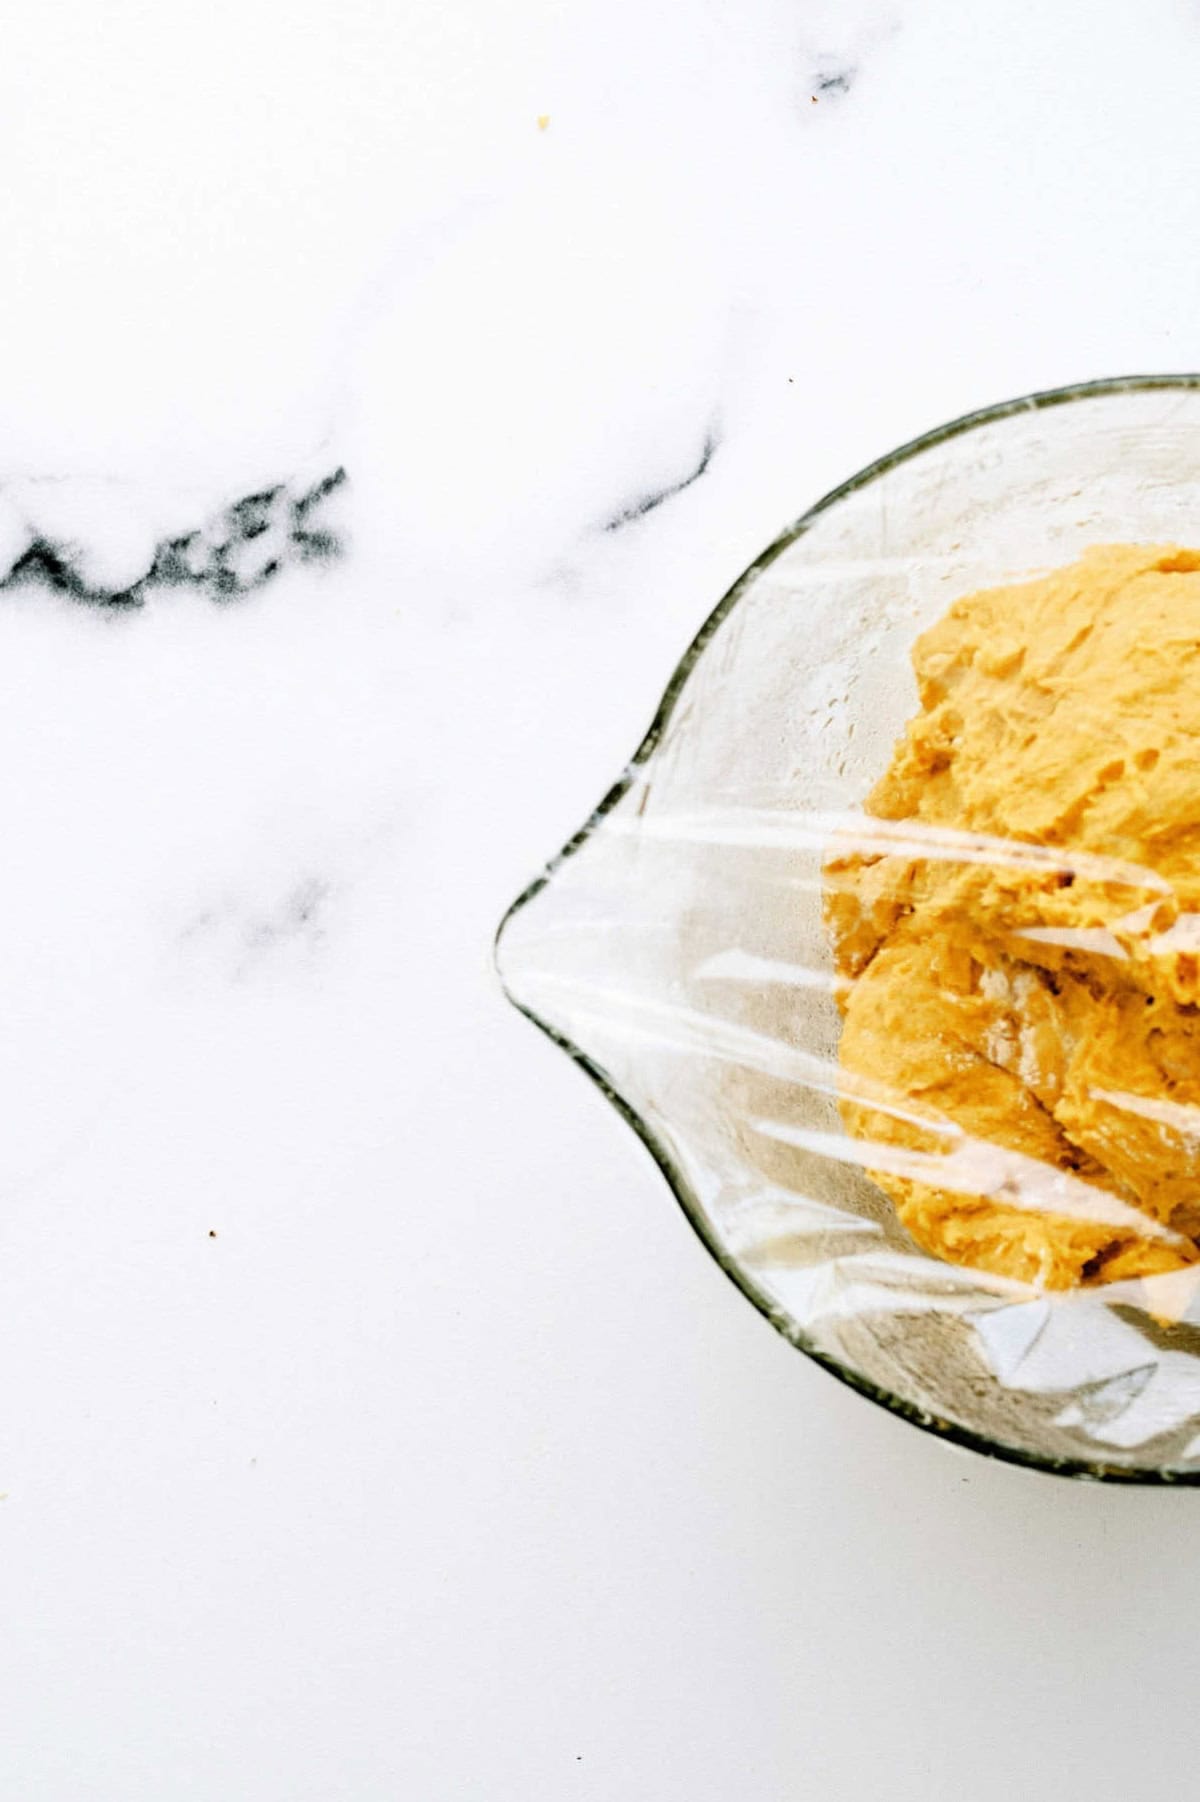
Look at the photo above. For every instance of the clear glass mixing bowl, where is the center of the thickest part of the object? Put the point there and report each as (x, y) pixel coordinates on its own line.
(674, 947)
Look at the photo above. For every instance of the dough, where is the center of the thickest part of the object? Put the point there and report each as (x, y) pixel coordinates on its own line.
(1018, 938)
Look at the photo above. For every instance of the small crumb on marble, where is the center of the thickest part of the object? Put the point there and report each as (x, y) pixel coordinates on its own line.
(212, 1232)
(543, 121)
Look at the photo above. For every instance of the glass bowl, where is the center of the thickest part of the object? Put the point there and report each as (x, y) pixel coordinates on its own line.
(674, 948)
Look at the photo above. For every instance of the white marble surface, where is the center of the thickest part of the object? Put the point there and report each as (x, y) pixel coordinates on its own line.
(346, 1450)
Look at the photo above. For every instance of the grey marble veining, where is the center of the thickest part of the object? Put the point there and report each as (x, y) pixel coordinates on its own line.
(50, 526)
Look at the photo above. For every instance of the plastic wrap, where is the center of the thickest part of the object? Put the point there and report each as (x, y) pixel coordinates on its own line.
(680, 948)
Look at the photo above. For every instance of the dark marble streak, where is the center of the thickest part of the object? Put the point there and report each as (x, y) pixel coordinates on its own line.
(832, 80)
(638, 509)
(244, 546)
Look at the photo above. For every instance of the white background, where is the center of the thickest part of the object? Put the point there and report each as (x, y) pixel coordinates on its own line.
(451, 1470)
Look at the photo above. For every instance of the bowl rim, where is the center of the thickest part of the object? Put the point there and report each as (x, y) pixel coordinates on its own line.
(954, 1432)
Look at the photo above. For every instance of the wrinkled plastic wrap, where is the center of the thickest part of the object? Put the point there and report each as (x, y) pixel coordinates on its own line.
(678, 946)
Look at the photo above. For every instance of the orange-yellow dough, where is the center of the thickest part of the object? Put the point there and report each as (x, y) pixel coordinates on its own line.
(1020, 960)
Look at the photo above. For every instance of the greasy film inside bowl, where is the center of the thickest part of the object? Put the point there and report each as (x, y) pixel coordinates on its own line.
(681, 948)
